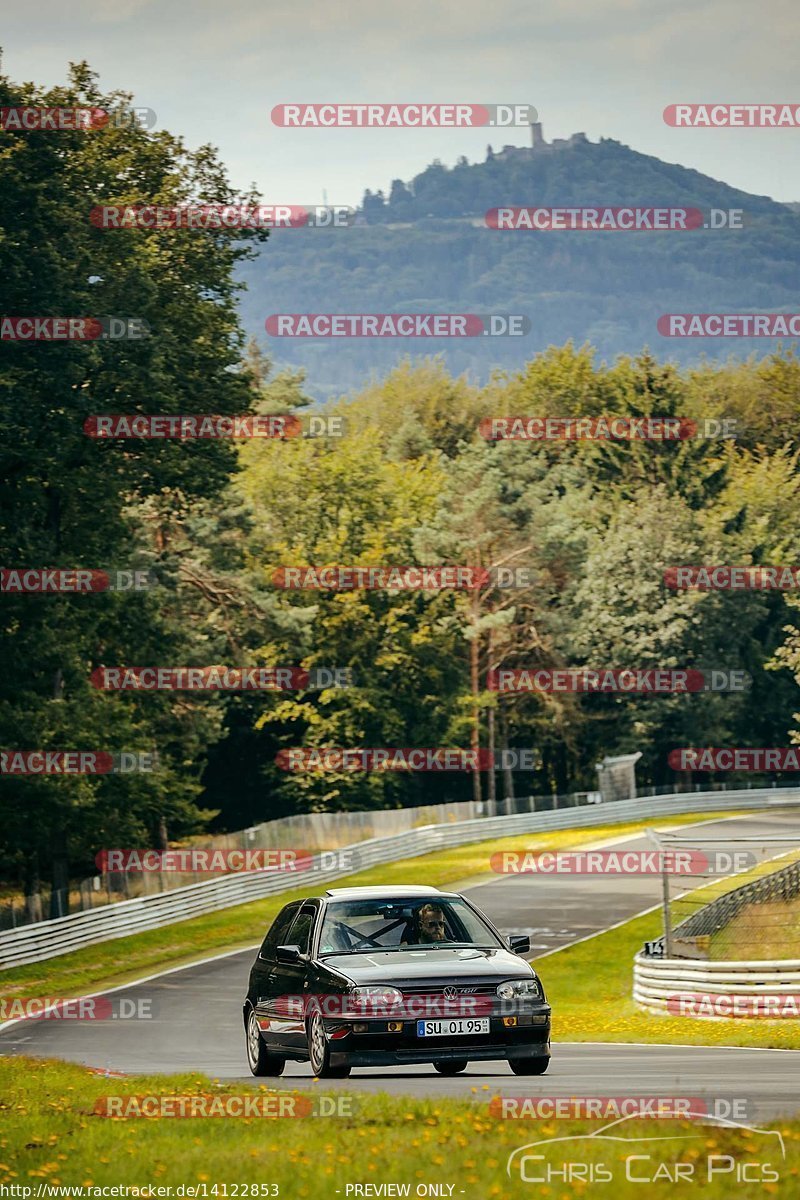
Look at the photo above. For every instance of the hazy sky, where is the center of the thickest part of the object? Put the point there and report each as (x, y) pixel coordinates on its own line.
(213, 70)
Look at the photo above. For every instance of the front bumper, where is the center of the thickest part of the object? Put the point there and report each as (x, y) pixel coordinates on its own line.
(529, 1038)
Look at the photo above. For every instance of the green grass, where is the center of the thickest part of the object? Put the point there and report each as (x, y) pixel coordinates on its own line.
(126, 959)
(51, 1135)
(769, 930)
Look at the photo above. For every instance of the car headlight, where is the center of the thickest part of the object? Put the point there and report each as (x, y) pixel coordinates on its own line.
(376, 998)
(513, 988)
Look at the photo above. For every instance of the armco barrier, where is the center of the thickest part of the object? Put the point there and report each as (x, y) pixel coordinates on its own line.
(657, 979)
(47, 939)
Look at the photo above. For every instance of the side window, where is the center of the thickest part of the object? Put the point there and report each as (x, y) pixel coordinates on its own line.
(300, 933)
(278, 930)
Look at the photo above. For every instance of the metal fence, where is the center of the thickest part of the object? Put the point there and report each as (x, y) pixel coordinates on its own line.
(731, 958)
(309, 832)
(47, 939)
(757, 920)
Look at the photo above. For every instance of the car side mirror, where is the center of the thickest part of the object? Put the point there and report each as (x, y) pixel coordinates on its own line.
(288, 954)
(519, 943)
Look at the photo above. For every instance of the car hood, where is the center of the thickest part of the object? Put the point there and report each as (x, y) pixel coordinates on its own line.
(419, 963)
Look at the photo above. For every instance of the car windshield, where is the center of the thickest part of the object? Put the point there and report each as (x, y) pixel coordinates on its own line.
(361, 926)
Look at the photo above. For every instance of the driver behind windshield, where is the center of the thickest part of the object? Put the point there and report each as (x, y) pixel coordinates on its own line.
(429, 924)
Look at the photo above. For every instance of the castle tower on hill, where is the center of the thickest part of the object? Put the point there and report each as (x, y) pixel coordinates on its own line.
(538, 145)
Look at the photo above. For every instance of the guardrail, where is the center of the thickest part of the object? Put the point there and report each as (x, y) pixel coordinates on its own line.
(312, 832)
(659, 984)
(48, 939)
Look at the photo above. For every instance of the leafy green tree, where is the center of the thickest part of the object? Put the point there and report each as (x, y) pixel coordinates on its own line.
(72, 501)
(328, 502)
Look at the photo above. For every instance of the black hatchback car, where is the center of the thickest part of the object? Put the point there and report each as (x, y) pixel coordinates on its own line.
(369, 977)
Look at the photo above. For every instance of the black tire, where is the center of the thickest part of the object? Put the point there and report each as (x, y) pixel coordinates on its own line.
(454, 1067)
(259, 1058)
(319, 1052)
(529, 1066)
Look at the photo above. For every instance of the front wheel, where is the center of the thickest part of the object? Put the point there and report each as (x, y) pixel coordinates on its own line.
(529, 1066)
(259, 1059)
(319, 1054)
(453, 1067)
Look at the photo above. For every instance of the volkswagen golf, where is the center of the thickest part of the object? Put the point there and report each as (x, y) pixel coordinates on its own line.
(371, 977)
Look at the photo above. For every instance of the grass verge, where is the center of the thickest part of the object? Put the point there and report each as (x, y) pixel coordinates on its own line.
(126, 959)
(51, 1137)
(764, 931)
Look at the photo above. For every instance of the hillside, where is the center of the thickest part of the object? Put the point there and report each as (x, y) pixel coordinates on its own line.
(425, 247)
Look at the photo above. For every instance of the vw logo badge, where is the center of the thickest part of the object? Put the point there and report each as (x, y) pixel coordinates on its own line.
(450, 993)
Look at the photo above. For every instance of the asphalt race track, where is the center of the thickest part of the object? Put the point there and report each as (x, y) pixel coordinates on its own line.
(197, 1023)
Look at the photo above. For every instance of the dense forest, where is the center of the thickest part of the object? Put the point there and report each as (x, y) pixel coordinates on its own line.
(411, 481)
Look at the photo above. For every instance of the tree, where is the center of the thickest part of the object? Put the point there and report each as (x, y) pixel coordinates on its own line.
(493, 514)
(72, 501)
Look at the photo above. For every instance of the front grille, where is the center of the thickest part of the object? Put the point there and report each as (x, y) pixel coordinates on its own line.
(437, 989)
(477, 999)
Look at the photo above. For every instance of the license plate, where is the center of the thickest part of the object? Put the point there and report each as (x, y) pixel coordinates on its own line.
(452, 1028)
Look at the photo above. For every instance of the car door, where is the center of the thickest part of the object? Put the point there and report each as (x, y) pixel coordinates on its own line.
(263, 983)
(291, 979)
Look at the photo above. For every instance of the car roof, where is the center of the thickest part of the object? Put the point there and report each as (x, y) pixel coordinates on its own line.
(378, 893)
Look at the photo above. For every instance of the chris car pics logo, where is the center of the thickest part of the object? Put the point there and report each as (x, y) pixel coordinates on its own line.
(616, 1153)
